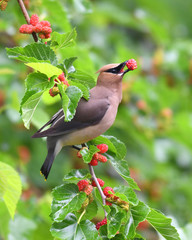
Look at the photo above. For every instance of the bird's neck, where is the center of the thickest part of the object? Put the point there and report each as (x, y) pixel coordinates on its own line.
(112, 89)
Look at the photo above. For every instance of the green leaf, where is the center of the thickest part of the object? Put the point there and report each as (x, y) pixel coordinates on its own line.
(121, 196)
(35, 52)
(70, 99)
(129, 228)
(129, 193)
(91, 211)
(10, 187)
(83, 88)
(120, 147)
(71, 229)
(77, 174)
(116, 153)
(36, 84)
(139, 212)
(29, 105)
(68, 64)
(139, 237)
(65, 101)
(118, 237)
(66, 199)
(21, 228)
(74, 94)
(82, 78)
(4, 220)
(40, 117)
(45, 68)
(63, 40)
(103, 139)
(121, 166)
(87, 154)
(114, 222)
(163, 225)
(103, 232)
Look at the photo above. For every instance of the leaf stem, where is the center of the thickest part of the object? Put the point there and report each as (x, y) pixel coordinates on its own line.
(81, 216)
(27, 18)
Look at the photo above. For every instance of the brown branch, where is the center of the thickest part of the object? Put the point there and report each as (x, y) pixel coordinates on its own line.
(94, 178)
(98, 186)
(27, 18)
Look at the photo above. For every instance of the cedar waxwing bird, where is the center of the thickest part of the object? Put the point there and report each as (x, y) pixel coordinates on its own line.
(92, 117)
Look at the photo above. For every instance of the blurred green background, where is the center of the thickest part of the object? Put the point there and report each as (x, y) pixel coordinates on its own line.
(154, 119)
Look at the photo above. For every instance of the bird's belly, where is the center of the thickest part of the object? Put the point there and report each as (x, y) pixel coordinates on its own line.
(88, 133)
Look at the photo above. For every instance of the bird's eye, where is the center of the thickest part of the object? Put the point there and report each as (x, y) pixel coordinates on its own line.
(113, 70)
(116, 70)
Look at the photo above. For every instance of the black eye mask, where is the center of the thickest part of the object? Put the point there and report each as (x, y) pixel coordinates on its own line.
(118, 69)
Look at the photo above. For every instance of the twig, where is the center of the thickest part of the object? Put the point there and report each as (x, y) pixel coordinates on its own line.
(94, 178)
(27, 18)
(98, 186)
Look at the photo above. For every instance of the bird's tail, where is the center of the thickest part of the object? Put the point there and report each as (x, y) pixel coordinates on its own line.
(46, 167)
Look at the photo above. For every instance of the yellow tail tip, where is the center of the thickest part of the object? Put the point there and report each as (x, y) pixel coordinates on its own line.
(43, 176)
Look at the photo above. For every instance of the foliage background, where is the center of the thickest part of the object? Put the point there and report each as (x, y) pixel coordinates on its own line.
(158, 35)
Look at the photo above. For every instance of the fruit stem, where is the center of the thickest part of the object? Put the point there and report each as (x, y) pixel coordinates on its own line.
(27, 18)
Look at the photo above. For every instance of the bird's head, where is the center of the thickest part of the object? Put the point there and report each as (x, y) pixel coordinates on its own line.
(113, 73)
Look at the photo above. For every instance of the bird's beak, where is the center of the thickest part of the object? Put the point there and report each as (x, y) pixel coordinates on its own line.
(120, 68)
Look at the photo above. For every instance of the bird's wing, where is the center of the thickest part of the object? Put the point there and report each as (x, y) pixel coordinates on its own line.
(57, 115)
(88, 113)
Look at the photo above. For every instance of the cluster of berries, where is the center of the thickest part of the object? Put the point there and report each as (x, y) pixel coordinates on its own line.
(103, 222)
(106, 191)
(43, 28)
(97, 156)
(99, 224)
(3, 4)
(110, 194)
(86, 187)
(131, 64)
(54, 90)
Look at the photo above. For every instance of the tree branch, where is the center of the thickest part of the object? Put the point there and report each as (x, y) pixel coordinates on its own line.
(94, 178)
(27, 18)
(98, 186)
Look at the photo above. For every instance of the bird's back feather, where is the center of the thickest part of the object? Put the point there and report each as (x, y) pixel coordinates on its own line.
(88, 113)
